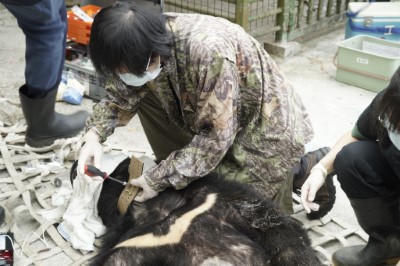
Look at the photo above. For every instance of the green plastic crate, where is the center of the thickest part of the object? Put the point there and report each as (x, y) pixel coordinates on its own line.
(367, 62)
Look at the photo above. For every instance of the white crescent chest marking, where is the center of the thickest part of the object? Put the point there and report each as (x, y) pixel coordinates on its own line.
(177, 229)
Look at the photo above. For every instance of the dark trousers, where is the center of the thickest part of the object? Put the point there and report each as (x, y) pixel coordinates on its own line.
(163, 135)
(44, 25)
(364, 173)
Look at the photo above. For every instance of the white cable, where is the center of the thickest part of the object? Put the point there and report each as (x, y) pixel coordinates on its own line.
(40, 238)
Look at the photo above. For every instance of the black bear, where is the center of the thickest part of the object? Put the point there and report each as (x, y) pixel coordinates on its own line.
(211, 222)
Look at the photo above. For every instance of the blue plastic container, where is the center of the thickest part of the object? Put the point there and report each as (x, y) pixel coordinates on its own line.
(378, 19)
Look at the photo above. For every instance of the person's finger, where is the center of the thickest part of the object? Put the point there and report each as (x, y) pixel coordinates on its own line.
(97, 160)
(136, 182)
(139, 198)
(142, 196)
(303, 198)
(146, 193)
(313, 206)
(311, 193)
(304, 192)
(81, 164)
(81, 170)
(88, 179)
(306, 208)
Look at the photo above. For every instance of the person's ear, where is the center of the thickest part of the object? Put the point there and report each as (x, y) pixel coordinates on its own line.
(154, 63)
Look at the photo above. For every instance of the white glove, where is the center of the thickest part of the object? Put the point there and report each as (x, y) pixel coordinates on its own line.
(310, 187)
(146, 193)
(91, 151)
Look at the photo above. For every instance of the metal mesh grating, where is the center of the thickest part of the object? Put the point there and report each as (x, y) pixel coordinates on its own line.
(261, 14)
(307, 12)
(225, 9)
(262, 19)
(328, 234)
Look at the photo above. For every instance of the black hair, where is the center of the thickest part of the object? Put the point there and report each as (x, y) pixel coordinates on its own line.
(389, 107)
(126, 34)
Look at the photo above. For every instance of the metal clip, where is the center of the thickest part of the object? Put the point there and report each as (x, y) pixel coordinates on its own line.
(368, 22)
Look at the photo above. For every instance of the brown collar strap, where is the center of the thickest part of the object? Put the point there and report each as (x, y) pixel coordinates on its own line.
(129, 192)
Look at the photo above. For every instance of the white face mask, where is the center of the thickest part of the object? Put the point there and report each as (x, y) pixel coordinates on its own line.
(133, 80)
(394, 138)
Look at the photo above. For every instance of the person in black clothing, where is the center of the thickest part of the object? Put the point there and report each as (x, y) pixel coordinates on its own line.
(367, 163)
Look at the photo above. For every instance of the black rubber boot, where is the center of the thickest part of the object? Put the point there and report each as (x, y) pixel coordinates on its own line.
(44, 125)
(379, 217)
(326, 195)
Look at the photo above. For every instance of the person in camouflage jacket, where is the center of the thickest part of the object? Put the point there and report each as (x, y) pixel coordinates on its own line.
(220, 104)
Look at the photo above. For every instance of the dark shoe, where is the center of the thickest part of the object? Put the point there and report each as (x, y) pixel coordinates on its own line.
(379, 217)
(44, 125)
(376, 252)
(326, 195)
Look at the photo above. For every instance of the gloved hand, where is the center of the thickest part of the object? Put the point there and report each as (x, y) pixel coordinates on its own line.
(91, 151)
(146, 193)
(310, 187)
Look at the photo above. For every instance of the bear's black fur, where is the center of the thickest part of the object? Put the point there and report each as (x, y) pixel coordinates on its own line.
(241, 227)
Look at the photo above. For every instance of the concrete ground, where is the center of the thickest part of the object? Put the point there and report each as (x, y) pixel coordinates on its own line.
(333, 106)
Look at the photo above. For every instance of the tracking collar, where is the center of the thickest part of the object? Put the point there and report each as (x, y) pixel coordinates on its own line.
(130, 191)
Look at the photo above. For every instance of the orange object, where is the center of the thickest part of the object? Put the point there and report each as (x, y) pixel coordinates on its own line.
(79, 30)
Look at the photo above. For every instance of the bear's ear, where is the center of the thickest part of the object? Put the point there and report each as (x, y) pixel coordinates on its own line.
(73, 172)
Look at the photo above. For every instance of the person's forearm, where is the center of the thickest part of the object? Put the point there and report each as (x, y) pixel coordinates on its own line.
(329, 158)
(183, 166)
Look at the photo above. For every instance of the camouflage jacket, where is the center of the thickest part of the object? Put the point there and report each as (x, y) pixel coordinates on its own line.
(222, 87)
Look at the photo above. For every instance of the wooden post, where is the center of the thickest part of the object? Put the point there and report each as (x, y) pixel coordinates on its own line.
(339, 6)
(329, 8)
(242, 14)
(310, 11)
(292, 15)
(282, 20)
(320, 6)
(300, 10)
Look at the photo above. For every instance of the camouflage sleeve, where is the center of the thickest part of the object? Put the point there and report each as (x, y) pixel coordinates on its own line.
(116, 109)
(216, 124)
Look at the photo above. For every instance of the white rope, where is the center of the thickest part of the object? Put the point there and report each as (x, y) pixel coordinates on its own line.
(28, 169)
